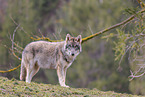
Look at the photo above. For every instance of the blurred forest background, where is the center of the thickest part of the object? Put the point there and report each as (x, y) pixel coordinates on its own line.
(95, 67)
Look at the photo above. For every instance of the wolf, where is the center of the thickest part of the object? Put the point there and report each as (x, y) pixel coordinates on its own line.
(50, 55)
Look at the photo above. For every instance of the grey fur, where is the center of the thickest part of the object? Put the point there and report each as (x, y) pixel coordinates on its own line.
(51, 55)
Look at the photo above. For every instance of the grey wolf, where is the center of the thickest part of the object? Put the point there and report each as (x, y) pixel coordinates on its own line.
(51, 55)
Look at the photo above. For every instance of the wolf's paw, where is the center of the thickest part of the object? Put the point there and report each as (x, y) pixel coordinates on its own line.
(65, 86)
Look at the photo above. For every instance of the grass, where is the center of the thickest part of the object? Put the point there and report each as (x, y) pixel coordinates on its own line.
(16, 88)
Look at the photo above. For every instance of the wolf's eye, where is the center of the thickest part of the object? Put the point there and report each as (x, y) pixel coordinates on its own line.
(68, 46)
(77, 47)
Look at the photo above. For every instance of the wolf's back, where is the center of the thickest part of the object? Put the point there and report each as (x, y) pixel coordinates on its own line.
(42, 47)
(44, 53)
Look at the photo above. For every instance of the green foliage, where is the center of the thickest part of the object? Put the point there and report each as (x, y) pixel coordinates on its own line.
(131, 11)
(120, 46)
(130, 44)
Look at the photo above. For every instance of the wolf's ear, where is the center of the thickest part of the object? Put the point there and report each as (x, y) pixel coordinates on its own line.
(67, 37)
(79, 39)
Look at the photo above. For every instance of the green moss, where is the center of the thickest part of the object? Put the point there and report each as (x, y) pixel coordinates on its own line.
(15, 88)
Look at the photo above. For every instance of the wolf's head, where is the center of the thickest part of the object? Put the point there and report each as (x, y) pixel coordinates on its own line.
(73, 45)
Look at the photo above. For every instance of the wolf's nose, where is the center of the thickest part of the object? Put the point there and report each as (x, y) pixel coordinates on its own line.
(72, 54)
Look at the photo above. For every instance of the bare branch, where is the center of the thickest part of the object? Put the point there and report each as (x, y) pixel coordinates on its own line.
(59, 31)
(13, 53)
(55, 36)
(14, 36)
(135, 76)
(41, 33)
(19, 26)
(90, 29)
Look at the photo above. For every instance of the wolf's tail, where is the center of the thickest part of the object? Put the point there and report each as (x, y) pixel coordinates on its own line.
(23, 71)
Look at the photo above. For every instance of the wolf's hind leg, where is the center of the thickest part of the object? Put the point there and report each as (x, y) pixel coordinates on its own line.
(31, 71)
(34, 71)
(23, 71)
(28, 76)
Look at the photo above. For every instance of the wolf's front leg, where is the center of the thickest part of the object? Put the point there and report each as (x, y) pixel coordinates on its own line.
(61, 72)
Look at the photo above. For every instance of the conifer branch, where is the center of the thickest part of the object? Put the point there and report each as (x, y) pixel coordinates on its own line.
(112, 27)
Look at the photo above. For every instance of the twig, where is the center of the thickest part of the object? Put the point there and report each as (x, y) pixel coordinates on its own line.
(59, 33)
(14, 36)
(135, 76)
(128, 49)
(41, 33)
(90, 29)
(20, 26)
(13, 53)
(55, 36)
